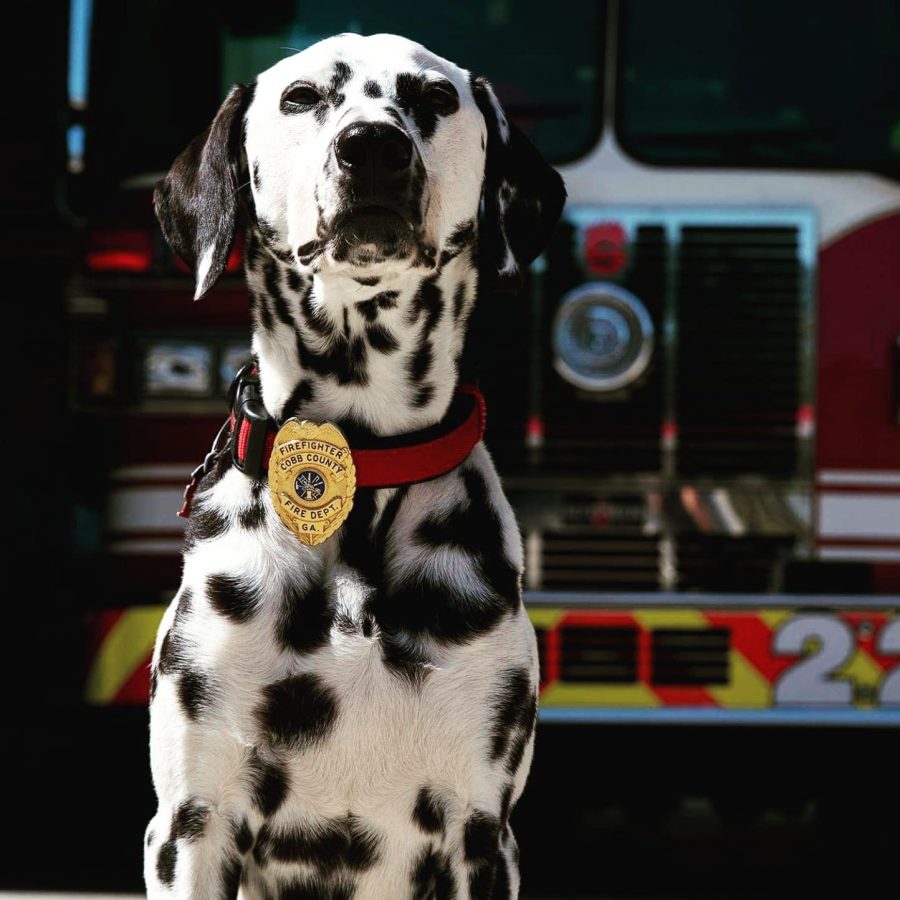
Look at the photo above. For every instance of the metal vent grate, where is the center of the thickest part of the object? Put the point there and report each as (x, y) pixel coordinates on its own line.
(593, 560)
(598, 560)
(687, 656)
(604, 654)
(708, 562)
(740, 295)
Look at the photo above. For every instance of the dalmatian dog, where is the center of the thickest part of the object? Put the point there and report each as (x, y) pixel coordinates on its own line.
(353, 719)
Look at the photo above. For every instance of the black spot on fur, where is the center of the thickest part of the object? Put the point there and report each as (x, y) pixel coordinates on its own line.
(432, 877)
(420, 362)
(165, 863)
(254, 515)
(196, 693)
(260, 309)
(502, 885)
(380, 339)
(430, 300)
(515, 708)
(517, 750)
(463, 234)
(294, 281)
(297, 711)
(481, 836)
(368, 280)
(371, 307)
(257, 181)
(172, 653)
(231, 878)
(511, 700)
(344, 360)
(421, 604)
(204, 524)
(403, 659)
(231, 597)
(269, 784)
(302, 393)
(272, 275)
(189, 821)
(413, 99)
(243, 836)
(327, 845)
(430, 812)
(305, 619)
(372, 89)
(150, 836)
(340, 76)
(423, 396)
(482, 880)
(475, 529)
(316, 319)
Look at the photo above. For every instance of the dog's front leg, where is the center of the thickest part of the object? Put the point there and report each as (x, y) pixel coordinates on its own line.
(206, 822)
(194, 851)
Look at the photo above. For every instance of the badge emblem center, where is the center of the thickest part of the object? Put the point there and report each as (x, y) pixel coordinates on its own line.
(312, 479)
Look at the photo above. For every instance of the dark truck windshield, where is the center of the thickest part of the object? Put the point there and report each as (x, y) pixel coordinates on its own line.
(160, 68)
(766, 83)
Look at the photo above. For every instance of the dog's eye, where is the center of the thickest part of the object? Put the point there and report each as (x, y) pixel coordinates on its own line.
(299, 97)
(442, 97)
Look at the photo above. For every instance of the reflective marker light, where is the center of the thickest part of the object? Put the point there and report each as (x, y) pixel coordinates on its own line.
(119, 250)
(605, 251)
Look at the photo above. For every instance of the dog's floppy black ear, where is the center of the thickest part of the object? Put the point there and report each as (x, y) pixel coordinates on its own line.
(197, 202)
(523, 195)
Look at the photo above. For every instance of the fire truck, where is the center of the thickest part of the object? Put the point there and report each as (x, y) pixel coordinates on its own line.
(694, 405)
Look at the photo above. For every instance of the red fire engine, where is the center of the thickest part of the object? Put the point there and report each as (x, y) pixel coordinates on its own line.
(696, 408)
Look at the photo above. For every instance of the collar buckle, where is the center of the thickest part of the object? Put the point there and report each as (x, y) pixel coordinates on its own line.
(250, 422)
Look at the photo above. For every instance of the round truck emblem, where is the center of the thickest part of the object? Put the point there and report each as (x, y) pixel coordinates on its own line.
(602, 337)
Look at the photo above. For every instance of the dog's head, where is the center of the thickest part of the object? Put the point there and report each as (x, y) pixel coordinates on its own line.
(362, 153)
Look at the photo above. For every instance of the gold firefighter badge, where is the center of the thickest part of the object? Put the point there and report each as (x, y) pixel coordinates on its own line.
(312, 479)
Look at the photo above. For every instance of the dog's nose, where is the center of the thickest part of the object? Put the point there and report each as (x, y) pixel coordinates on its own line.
(374, 149)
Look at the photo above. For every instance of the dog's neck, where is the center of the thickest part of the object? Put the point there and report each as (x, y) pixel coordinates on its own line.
(378, 352)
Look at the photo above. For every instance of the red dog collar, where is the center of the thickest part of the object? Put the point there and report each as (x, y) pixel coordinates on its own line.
(380, 462)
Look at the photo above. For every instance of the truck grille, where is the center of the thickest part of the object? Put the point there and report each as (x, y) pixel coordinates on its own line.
(589, 653)
(689, 656)
(739, 293)
(598, 561)
(598, 654)
(729, 300)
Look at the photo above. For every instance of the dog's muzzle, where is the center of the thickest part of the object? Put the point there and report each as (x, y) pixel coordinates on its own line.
(380, 191)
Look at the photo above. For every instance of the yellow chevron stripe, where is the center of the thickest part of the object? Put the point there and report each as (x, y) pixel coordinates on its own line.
(747, 688)
(670, 618)
(125, 647)
(545, 618)
(774, 617)
(629, 695)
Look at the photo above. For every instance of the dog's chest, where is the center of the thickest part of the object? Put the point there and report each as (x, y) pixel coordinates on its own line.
(367, 662)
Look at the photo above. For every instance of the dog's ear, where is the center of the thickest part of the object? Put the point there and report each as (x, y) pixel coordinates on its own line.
(523, 196)
(197, 202)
